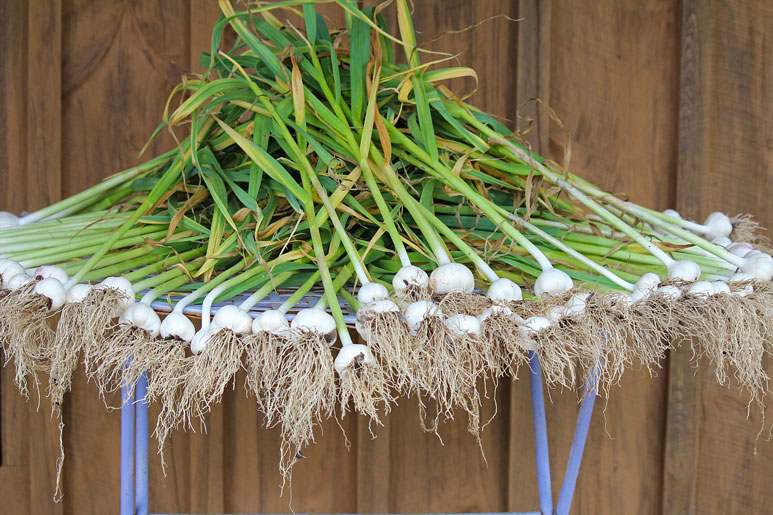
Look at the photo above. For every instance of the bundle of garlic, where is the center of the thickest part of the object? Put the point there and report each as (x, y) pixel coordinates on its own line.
(322, 174)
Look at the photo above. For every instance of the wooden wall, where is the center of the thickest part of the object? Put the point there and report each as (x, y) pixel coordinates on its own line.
(668, 101)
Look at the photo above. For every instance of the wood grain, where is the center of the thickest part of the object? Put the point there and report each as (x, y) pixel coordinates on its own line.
(44, 116)
(533, 72)
(725, 143)
(15, 480)
(617, 100)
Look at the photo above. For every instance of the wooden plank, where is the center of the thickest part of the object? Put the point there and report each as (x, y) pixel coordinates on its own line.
(724, 164)
(725, 123)
(240, 447)
(680, 468)
(532, 81)
(44, 57)
(206, 472)
(169, 492)
(14, 420)
(533, 72)
(44, 114)
(92, 450)
(433, 482)
(13, 106)
(120, 60)
(617, 98)
(203, 15)
(375, 468)
(324, 482)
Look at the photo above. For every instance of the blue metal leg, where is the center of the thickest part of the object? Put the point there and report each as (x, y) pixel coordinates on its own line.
(540, 436)
(141, 449)
(127, 453)
(134, 426)
(578, 446)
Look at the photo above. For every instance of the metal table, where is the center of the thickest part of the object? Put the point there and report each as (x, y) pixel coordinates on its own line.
(135, 436)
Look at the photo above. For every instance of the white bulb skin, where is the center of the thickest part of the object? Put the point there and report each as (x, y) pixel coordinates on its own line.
(372, 292)
(409, 276)
(741, 277)
(577, 303)
(233, 318)
(740, 249)
(143, 316)
(535, 324)
(177, 325)
(461, 325)
(701, 289)
(504, 290)
(122, 284)
(498, 309)
(8, 220)
(672, 213)
(555, 313)
(758, 264)
(416, 312)
(718, 225)
(271, 321)
(201, 339)
(78, 293)
(685, 270)
(670, 292)
(349, 353)
(316, 321)
(372, 309)
(648, 282)
(635, 296)
(532, 326)
(52, 289)
(18, 280)
(720, 287)
(5, 262)
(722, 241)
(451, 278)
(46, 271)
(368, 312)
(9, 268)
(381, 306)
(552, 282)
(618, 296)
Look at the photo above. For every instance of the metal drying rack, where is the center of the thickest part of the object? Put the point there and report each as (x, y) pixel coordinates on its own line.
(135, 430)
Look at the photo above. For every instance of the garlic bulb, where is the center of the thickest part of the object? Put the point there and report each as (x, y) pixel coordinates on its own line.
(46, 271)
(687, 271)
(451, 278)
(410, 276)
(124, 286)
(504, 290)
(552, 282)
(54, 290)
(78, 293)
(349, 353)
(143, 316)
(233, 318)
(372, 292)
(461, 325)
(316, 321)
(271, 321)
(416, 312)
(177, 325)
